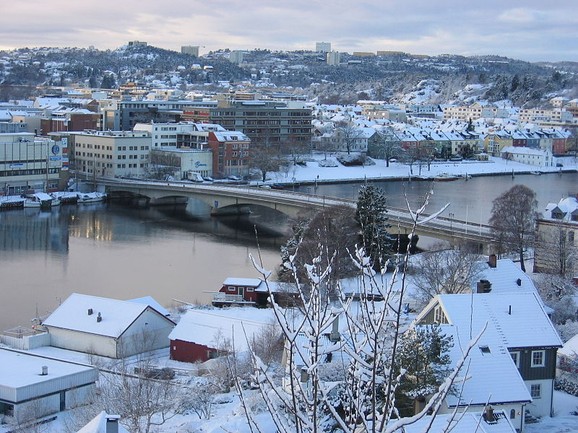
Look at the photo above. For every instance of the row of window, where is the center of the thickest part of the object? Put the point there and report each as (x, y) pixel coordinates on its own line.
(538, 358)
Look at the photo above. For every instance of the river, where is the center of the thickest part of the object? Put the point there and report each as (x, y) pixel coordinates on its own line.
(111, 251)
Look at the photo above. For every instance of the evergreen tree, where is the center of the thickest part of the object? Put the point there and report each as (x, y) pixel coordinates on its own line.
(424, 354)
(371, 215)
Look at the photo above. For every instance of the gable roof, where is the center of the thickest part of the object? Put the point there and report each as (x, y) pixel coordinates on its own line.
(206, 327)
(116, 315)
(504, 277)
(519, 319)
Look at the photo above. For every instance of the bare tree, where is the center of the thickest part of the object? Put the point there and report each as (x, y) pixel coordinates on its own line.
(362, 337)
(385, 145)
(513, 220)
(445, 271)
(348, 134)
(265, 158)
(335, 229)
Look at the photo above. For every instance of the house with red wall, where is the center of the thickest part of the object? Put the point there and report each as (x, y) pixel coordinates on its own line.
(253, 291)
(203, 334)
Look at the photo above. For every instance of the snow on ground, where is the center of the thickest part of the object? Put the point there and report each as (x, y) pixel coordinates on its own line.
(396, 170)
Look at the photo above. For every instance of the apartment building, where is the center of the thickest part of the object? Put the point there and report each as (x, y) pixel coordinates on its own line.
(273, 122)
(112, 153)
(29, 162)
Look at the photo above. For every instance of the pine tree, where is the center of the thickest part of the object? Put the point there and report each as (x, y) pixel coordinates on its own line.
(372, 217)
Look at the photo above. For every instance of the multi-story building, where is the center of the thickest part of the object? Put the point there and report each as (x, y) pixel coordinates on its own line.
(29, 162)
(178, 135)
(270, 122)
(323, 47)
(231, 151)
(557, 234)
(111, 153)
(191, 50)
(124, 115)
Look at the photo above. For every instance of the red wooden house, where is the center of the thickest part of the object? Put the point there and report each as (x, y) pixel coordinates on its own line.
(253, 291)
(204, 334)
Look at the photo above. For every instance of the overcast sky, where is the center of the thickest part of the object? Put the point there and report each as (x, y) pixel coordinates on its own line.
(531, 30)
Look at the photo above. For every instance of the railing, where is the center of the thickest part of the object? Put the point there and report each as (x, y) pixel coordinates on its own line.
(224, 297)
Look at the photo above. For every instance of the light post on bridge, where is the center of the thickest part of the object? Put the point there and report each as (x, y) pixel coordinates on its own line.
(451, 215)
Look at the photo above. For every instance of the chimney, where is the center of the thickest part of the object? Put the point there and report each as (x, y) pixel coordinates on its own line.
(492, 260)
(99, 318)
(489, 415)
(90, 311)
(484, 286)
(510, 310)
(112, 423)
(44, 370)
(519, 282)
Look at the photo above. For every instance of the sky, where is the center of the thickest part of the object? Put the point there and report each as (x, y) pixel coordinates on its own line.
(531, 30)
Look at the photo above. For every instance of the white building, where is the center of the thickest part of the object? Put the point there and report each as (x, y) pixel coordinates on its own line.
(323, 47)
(29, 162)
(107, 327)
(112, 153)
(32, 386)
(526, 155)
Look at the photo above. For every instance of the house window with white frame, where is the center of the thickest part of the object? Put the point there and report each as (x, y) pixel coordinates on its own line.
(538, 358)
(536, 390)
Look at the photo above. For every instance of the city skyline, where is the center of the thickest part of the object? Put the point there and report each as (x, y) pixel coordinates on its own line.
(526, 30)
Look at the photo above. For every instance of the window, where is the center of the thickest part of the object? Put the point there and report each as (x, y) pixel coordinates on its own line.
(250, 289)
(538, 358)
(516, 358)
(232, 289)
(535, 390)
(513, 414)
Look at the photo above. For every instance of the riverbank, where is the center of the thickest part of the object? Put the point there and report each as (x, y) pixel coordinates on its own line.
(320, 169)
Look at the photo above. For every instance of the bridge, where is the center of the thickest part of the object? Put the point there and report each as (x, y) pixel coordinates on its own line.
(226, 199)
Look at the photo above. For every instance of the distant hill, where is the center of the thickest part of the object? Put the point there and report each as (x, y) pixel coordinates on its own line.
(391, 77)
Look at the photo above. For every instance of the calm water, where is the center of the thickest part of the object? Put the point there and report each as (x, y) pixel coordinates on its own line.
(122, 253)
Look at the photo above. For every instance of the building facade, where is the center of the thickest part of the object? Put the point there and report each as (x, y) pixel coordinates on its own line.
(112, 154)
(30, 163)
(270, 122)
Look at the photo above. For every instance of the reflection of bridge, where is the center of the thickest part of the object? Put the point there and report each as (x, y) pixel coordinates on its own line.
(227, 199)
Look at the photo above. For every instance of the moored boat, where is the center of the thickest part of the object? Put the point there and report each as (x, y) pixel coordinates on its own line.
(40, 200)
(91, 197)
(445, 177)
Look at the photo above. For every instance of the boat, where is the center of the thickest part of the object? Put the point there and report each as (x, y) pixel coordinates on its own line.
(536, 173)
(445, 177)
(65, 197)
(11, 202)
(90, 197)
(40, 200)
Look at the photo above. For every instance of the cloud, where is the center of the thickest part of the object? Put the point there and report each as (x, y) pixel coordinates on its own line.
(530, 30)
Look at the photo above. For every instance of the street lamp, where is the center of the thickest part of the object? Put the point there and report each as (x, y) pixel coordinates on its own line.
(451, 215)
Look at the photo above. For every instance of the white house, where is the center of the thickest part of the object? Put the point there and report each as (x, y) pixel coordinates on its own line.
(526, 155)
(107, 327)
(33, 386)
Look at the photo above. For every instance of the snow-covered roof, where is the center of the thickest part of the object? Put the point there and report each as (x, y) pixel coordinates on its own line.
(152, 302)
(570, 348)
(490, 373)
(98, 424)
(517, 319)
(23, 370)
(209, 327)
(116, 315)
(468, 423)
(567, 205)
(247, 282)
(504, 277)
